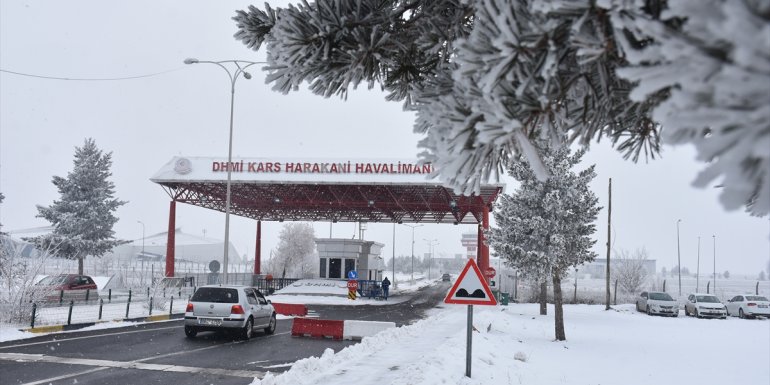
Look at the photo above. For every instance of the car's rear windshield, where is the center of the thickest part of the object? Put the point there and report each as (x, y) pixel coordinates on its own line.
(755, 298)
(52, 280)
(708, 298)
(661, 297)
(215, 294)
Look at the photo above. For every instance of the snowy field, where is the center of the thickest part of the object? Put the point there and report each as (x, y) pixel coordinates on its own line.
(514, 345)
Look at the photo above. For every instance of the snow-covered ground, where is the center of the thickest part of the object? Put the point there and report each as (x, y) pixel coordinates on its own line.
(515, 345)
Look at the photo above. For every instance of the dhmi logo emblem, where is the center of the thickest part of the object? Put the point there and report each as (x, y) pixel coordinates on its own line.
(183, 166)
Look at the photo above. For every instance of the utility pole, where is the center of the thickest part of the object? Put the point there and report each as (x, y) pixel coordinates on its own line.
(609, 226)
(715, 263)
(413, 227)
(678, 257)
(697, 269)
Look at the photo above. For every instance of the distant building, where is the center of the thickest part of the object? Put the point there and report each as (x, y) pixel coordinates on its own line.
(598, 268)
(189, 248)
(339, 256)
(471, 242)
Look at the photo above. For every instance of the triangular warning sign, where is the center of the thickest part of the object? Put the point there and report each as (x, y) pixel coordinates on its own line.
(470, 289)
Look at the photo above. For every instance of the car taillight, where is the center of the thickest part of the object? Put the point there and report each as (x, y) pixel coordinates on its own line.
(751, 304)
(189, 308)
(237, 309)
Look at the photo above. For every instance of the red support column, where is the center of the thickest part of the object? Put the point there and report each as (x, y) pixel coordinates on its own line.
(483, 247)
(171, 239)
(258, 250)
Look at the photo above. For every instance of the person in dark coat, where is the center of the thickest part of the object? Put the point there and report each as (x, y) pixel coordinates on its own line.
(385, 287)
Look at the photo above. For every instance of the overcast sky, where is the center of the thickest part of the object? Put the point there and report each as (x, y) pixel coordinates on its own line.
(185, 111)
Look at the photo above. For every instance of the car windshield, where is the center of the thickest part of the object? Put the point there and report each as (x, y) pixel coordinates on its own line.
(52, 280)
(708, 298)
(215, 294)
(755, 298)
(661, 297)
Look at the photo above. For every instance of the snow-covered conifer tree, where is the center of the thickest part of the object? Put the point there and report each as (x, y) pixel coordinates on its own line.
(545, 227)
(83, 216)
(711, 59)
(485, 77)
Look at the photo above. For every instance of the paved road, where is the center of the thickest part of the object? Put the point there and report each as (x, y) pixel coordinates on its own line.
(159, 352)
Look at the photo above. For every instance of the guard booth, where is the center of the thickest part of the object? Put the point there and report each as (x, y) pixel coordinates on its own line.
(338, 256)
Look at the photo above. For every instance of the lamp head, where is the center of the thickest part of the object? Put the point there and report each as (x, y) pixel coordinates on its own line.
(246, 75)
(190, 60)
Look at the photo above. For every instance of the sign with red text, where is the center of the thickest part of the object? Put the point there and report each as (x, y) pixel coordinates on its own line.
(470, 288)
(299, 169)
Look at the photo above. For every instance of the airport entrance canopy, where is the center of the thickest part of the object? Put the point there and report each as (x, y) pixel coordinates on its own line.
(323, 190)
(334, 190)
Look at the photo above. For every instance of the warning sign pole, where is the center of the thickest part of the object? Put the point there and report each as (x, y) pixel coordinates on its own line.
(469, 342)
(470, 289)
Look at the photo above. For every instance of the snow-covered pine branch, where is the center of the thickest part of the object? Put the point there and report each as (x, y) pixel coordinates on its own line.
(487, 78)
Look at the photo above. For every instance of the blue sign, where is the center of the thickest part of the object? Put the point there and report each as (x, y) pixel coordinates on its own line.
(352, 274)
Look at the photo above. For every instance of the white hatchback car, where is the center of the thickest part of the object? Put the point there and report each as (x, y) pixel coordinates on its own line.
(657, 302)
(748, 305)
(229, 308)
(704, 305)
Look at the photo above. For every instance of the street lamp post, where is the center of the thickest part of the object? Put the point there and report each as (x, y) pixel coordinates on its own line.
(697, 270)
(240, 69)
(715, 263)
(413, 227)
(430, 248)
(678, 257)
(142, 223)
(394, 256)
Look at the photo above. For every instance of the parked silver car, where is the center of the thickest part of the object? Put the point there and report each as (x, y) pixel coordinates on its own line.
(231, 308)
(657, 302)
(704, 305)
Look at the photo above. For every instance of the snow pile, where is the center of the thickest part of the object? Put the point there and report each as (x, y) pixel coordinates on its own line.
(515, 345)
(316, 286)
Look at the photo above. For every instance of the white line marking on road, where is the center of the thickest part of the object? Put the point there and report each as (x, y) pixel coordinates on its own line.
(22, 357)
(136, 364)
(86, 337)
(49, 380)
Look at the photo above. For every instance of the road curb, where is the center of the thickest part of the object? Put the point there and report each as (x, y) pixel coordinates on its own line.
(59, 328)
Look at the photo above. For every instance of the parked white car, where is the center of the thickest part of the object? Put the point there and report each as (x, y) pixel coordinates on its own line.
(704, 305)
(230, 308)
(657, 302)
(748, 305)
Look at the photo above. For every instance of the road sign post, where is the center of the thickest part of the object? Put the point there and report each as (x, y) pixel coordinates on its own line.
(470, 289)
(352, 287)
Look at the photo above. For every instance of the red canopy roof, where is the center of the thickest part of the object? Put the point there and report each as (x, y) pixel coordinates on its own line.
(337, 202)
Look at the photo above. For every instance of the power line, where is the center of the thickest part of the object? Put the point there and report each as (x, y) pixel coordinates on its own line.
(90, 79)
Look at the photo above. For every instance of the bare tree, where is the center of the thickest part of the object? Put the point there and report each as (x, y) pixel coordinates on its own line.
(18, 274)
(295, 255)
(629, 269)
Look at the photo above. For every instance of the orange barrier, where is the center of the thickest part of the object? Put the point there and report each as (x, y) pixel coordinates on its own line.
(320, 328)
(290, 309)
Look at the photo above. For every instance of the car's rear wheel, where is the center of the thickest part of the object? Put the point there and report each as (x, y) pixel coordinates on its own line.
(696, 314)
(648, 310)
(270, 329)
(686, 312)
(248, 329)
(740, 314)
(190, 331)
